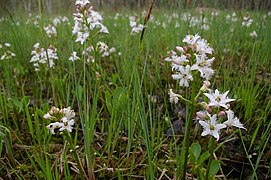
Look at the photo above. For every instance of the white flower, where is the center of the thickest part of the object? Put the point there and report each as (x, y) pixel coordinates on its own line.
(69, 114)
(82, 3)
(47, 116)
(7, 44)
(247, 22)
(7, 55)
(171, 55)
(218, 100)
(50, 30)
(40, 56)
(177, 25)
(232, 120)
(86, 20)
(136, 28)
(180, 49)
(173, 97)
(205, 27)
(205, 86)
(211, 127)
(178, 61)
(82, 37)
(104, 29)
(53, 126)
(56, 21)
(253, 34)
(203, 47)
(203, 66)
(74, 56)
(66, 125)
(203, 115)
(183, 76)
(112, 50)
(190, 39)
(65, 117)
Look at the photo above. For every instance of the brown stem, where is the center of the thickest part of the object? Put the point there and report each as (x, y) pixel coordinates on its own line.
(147, 18)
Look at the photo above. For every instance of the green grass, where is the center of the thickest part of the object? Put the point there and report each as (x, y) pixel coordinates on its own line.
(121, 101)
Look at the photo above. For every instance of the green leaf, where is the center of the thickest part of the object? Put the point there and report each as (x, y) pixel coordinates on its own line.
(79, 92)
(214, 167)
(195, 150)
(203, 157)
(108, 101)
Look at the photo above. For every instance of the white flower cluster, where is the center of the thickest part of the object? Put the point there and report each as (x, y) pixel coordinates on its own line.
(42, 56)
(59, 20)
(173, 98)
(215, 111)
(136, 28)
(194, 56)
(63, 119)
(247, 21)
(6, 53)
(33, 20)
(197, 21)
(231, 18)
(102, 48)
(86, 20)
(50, 30)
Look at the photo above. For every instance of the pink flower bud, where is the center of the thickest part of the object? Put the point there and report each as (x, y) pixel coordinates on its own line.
(200, 115)
(209, 110)
(78, 7)
(180, 49)
(221, 114)
(90, 8)
(205, 86)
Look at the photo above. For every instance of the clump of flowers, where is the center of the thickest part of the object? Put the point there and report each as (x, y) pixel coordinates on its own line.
(101, 47)
(231, 18)
(6, 53)
(86, 20)
(196, 21)
(104, 49)
(60, 19)
(195, 56)
(63, 119)
(40, 56)
(214, 114)
(50, 30)
(33, 20)
(136, 27)
(247, 21)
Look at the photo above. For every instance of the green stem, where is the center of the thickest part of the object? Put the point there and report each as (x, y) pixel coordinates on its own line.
(211, 157)
(187, 135)
(73, 148)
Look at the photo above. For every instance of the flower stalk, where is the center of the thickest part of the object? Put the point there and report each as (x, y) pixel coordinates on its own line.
(212, 139)
(73, 150)
(188, 127)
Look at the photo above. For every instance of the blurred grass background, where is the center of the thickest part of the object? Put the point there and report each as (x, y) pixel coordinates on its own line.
(60, 6)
